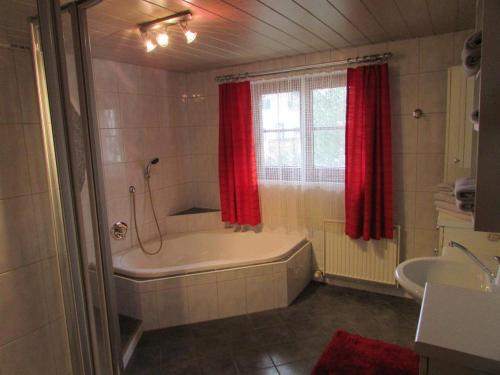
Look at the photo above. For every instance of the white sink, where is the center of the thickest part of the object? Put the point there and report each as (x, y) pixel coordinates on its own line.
(414, 273)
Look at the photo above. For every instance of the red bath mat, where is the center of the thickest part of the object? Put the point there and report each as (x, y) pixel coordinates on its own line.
(349, 354)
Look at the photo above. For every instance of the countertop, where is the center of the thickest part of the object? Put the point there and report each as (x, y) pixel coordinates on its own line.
(461, 326)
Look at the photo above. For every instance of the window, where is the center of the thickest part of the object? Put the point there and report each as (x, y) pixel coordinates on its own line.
(299, 125)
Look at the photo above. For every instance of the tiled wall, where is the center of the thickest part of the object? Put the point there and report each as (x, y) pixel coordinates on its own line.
(418, 80)
(32, 324)
(142, 114)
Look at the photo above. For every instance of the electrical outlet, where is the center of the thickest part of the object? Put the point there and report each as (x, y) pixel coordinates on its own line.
(494, 237)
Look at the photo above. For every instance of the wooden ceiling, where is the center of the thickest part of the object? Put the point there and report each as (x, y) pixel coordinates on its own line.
(232, 32)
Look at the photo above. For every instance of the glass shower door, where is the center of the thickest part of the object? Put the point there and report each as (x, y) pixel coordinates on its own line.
(74, 186)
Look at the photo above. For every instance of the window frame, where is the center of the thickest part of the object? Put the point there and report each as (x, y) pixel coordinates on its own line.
(306, 171)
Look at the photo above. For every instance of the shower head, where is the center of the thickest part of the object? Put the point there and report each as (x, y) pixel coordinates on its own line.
(147, 173)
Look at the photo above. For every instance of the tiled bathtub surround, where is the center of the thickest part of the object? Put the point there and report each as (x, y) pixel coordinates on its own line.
(178, 300)
(418, 76)
(142, 114)
(32, 322)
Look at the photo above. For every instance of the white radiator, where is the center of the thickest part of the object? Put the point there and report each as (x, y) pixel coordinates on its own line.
(364, 260)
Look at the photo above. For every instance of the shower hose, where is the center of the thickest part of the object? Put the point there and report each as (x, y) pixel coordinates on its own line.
(132, 193)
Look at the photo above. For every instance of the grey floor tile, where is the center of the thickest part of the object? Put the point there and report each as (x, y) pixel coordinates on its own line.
(288, 340)
(302, 367)
(251, 359)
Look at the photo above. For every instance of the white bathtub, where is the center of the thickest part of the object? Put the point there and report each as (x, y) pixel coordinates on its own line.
(209, 275)
(205, 251)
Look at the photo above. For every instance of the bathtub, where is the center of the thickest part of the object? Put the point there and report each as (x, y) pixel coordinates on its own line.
(205, 251)
(214, 274)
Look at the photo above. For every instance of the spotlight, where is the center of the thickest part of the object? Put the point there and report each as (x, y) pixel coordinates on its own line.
(150, 45)
(149, 41)
(162, 39)
(190, 36)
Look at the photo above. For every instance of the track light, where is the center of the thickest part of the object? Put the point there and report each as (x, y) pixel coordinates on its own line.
(150, 45)
(190, 36)
(162, 38)
(153, 38)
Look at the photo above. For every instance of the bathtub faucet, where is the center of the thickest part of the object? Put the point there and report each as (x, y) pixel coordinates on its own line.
(491, 275)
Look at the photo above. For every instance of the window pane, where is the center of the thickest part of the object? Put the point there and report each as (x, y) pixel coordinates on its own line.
(281, 110)
(329, 148)
(329, 107)
(282, 149)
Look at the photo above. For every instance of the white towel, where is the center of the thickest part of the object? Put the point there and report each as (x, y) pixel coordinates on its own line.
(465, 206)
(471, 62)
(465, 189)
(473, 41)
(444, 197)
(445, 188)
(456, 214)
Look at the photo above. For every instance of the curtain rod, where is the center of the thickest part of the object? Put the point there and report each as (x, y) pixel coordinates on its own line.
(369, 59)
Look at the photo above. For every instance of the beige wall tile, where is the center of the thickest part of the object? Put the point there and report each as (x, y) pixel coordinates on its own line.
(202, 301)
(10, 108)
(425, 213)
(13, 162)
(108, 109)
(36, 157)
(430, 169)
(231, 298)
(404, 172)
(105, 75)
(431, 133)
(260, 293)
(436, 52)
(30, 355)
(425, 242)
(16, 247)
(27, 88)
(405, 57)
(404, 94)
(404, 208)
(22, 306)
(432, 92)
(173, 307)
(404, 134)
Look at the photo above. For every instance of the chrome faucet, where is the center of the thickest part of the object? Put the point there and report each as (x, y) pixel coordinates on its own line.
(491, 275)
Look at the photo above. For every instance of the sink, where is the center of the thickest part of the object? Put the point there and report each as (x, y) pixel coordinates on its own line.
(414, 273)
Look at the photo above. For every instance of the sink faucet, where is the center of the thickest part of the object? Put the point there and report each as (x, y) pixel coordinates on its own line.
(491, 275)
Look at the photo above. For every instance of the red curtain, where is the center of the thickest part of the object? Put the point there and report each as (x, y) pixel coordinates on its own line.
(368, 195)
(239, 194)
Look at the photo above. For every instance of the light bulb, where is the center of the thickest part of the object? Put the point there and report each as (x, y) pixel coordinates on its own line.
(162, 39)
(190, 36)
(150, 45)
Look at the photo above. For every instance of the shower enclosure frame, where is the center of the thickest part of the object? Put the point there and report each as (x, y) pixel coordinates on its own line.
(85, 345)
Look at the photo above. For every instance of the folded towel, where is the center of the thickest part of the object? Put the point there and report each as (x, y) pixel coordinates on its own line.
(465, 206)
(465, 189)
(444, 197)
(450, 206)
(466, 216)
(471, 62)
(445, 188)
(473, 41)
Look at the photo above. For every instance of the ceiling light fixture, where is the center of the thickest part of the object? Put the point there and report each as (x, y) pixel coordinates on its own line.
(190, 35)
(154, 33)
(162, 38)
(149, 42)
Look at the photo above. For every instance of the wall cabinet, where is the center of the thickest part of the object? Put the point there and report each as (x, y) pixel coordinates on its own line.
(487, 214)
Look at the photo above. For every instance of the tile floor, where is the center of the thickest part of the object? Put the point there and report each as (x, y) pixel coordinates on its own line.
(283, 341)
